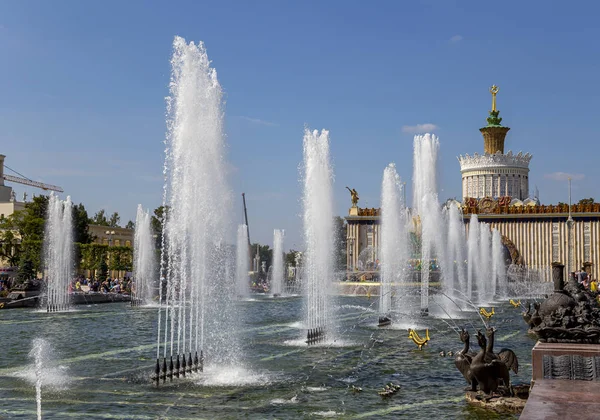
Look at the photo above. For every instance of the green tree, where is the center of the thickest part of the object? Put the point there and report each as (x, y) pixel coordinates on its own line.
(103, 271)
(157, 222)
(114, 220)
(30, 259)
(130, 225)
(587, 201)
(99, 218)
(9, 243)
(81, 225)
(30, 222)
(290, 258)
(26, 270)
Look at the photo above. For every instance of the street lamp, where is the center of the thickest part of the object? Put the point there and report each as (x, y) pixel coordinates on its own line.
(110, 234)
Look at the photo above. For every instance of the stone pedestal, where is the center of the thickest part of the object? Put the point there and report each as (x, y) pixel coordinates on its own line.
(577, 362)
(353, 211)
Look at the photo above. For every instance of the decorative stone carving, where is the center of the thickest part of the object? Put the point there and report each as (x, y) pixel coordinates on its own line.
(496, 160)
(487, 205)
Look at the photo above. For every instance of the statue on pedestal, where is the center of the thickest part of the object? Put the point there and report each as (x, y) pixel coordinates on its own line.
(354, 196)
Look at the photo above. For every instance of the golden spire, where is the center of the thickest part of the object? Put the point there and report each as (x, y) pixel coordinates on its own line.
(494, 90)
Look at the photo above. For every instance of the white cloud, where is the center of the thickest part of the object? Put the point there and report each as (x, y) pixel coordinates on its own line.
(563, 176)
(258, 121)
(456, 38)
(419, 128)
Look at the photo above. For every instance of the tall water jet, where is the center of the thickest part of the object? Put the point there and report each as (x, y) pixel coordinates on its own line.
(318, 221)
(37, 353)
(44, 372)
(499, 266)
(198, 317)
(484, 276)
(144, 256)
(426, 208)
(455, 281)
(242, 262)
(58, 247)
(472, 255)
(277, 271)
(394, 241)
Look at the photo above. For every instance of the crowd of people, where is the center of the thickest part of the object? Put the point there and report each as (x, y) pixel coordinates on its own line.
(118, 285)
(585, 279)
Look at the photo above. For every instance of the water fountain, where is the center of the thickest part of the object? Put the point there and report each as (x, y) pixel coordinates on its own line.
(144, 255)
(58, 247)
(455, 276)
(499, 267)
(37, 353)
(318, 233)
(394, 241)
(277, 270)
(427, 210)
(242, 263)
(472, 254)
(485, 294)
(198, 317)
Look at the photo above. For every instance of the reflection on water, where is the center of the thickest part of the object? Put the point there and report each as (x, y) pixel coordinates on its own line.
(108, 353)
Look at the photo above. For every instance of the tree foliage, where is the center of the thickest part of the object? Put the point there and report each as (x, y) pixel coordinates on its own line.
(157, 222)
(130, 225)
(114, 220)
(99, 218)
(82, 234)
(587, 201)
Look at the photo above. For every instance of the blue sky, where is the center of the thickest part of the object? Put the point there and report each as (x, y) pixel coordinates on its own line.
(82, 89)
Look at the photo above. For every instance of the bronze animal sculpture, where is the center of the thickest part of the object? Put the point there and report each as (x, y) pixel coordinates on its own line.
(506, 355)
(488, 375)
(527, 314)
(463, 360)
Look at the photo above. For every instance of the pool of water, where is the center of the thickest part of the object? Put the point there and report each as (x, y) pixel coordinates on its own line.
(104, 356)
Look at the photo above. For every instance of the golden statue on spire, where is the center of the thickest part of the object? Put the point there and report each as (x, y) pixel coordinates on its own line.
(494, 90)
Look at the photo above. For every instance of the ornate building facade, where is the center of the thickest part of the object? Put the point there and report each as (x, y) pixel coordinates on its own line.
(495, 187)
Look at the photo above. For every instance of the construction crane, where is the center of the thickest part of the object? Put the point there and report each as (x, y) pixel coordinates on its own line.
(24, 180)
(248, 232)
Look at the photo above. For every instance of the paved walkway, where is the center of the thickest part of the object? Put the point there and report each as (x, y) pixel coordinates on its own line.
(563, 399)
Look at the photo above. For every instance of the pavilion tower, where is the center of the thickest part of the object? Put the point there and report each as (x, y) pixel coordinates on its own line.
(495, 174)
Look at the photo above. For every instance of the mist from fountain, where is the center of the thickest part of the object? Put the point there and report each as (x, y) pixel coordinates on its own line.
(44, 373)
(455, 276)
(277, 272)
(144, 260)
(318, 262)
(484, 277)
(58, 247)
(199, 314)
(37, 354)
(242, 262)
(499, 266)
(472, 255)
(394, 241)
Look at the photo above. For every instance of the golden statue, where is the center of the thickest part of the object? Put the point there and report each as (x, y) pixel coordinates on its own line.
(354, 196)
(494, 90)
